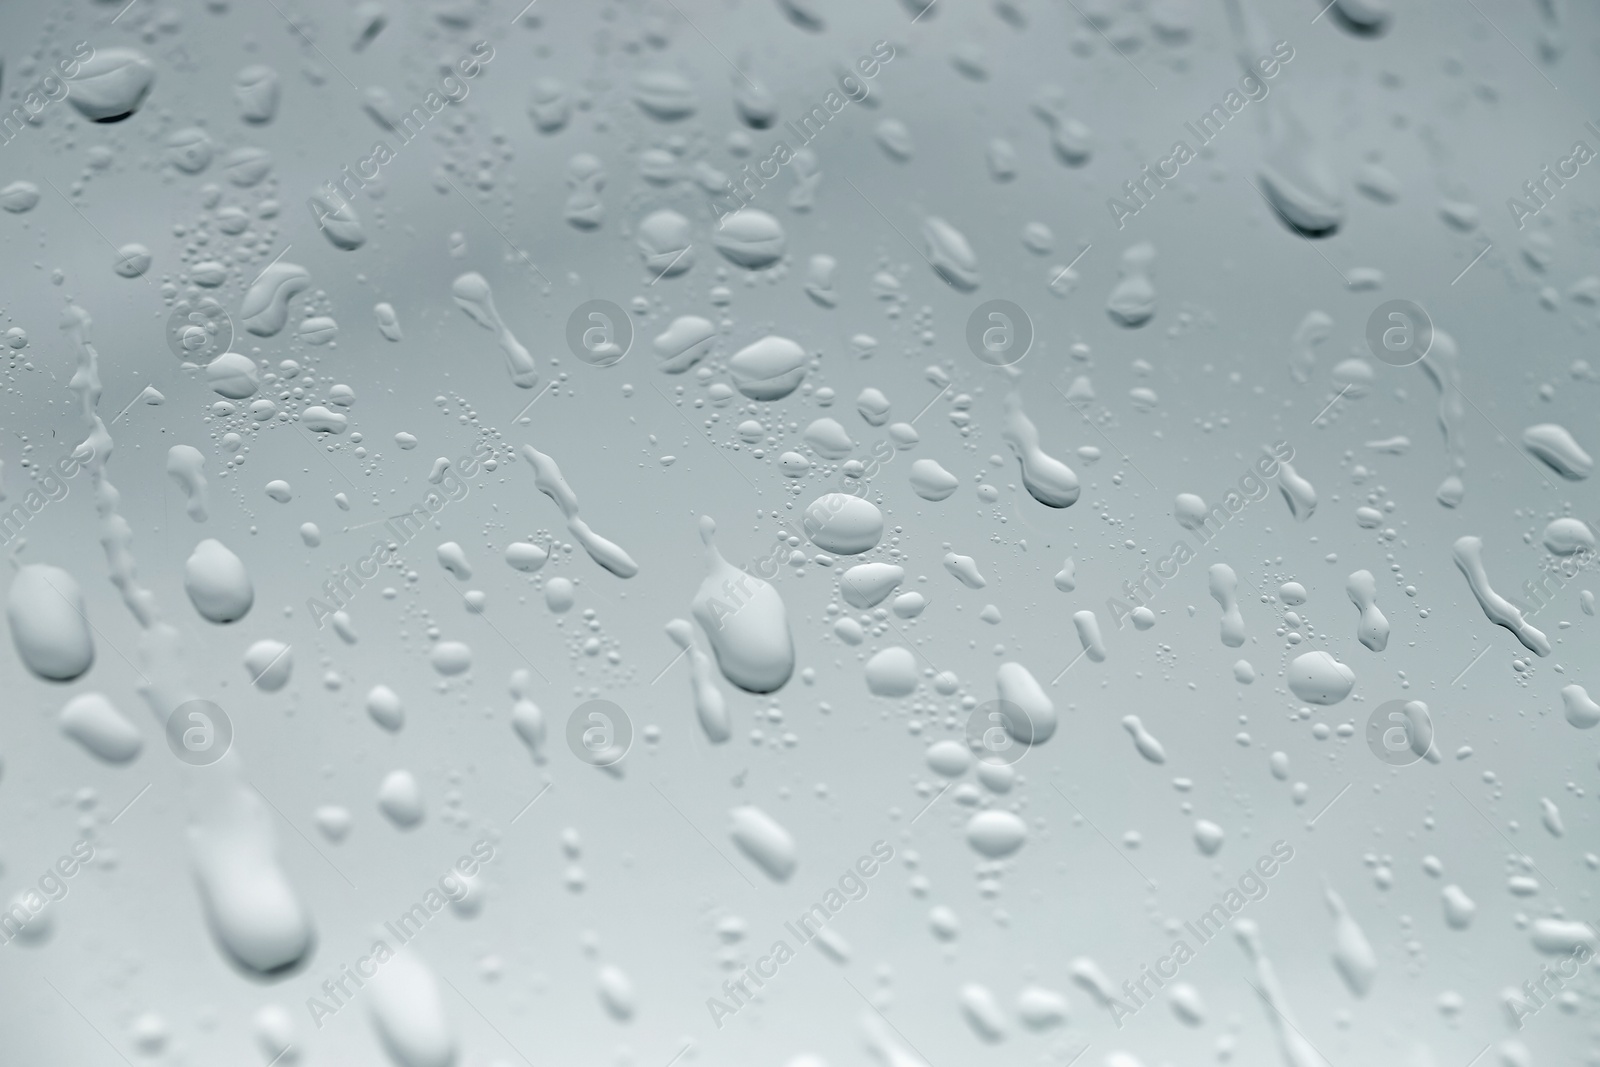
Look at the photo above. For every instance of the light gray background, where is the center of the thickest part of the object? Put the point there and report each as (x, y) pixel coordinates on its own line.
(1455, 112)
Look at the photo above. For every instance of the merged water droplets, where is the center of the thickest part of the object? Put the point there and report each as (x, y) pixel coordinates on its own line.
(1317, 678)
(1132, 302)
(750, 239)
(112, 84)
(1298, 182)
(257, 90)
(549, 105)
(1312, 331)
(1297, 1051)
(1468, 555)
(1294, 175)
(931, 481)
(1144, 742)
(1027, 713)
(338, 221)
(768, 369)
(819, 280)
(1224, 585)
(1580, 709)
(828, 438)
(408, 1013)
(965, 570)
(1372, 629)
(1047, 479)
(1554, 446)
(186, 467)
(547, 476)
(1088, 628)
(1442, 365)
(665, 242)
(1297, 492)
(709, 706)
(1068, 136)
(982, 1012)
(265, 309)
(1353, 954)
(526, 717)
(744, 620)
(254, 912)
(950, 254)
(664, 95)
(472, 295)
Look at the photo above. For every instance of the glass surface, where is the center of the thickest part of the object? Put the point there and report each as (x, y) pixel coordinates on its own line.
(794, 532)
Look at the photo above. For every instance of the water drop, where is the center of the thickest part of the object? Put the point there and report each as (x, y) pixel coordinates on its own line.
(764, 841)
(547, 476)
(1317, 678)
(95, 723)
(111, 84)
(400, 799)
(1047, 479)
(218, 585)
(744, 620)
(49, 622)
(186, 467)
(472, 295)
